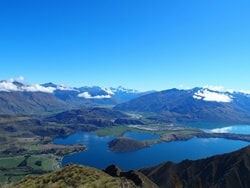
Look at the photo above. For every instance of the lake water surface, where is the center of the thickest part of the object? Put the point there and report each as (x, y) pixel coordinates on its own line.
(99, 156)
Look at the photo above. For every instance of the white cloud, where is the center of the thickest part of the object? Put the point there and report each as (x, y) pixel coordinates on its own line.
(86, 95)
(38, 88)
(8, 86)
(20, 79)
(101, 97)
(218, 88)
(245, 92)
(215, 88)
(207, 95)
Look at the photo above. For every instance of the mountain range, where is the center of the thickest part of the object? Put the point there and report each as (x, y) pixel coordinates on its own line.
(19, 98)
(193, 105)
(200, 104)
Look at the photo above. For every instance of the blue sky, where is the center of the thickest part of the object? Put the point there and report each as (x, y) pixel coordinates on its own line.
(140, 44)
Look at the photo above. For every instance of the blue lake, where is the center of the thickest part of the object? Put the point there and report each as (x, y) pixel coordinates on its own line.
(141, 136)
(99, 156)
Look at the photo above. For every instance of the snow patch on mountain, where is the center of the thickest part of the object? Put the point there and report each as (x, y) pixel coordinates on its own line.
(209, 95)
(38, 88)
(124, 90)
(65, 88)
(108, 91)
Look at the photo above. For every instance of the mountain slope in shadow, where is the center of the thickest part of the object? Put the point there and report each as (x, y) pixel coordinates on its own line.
(228, 170)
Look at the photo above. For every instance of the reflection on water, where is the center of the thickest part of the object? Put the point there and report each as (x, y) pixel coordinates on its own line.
(237, 129)
(99, 156)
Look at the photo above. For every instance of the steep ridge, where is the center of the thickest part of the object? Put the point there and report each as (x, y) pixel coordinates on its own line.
(30, 102)
(222, 171)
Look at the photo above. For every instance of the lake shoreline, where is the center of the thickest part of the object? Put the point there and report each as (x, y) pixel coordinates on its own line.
(155, 151)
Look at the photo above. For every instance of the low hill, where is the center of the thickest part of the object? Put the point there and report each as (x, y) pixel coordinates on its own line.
(222, 171)
(98, 116)
(95, 116)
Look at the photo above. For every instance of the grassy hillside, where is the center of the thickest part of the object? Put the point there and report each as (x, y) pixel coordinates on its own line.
(83, 177)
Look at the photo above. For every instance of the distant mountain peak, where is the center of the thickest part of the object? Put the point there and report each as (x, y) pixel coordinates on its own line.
(108, 91)
(122, 89)
(49, 84)
(58, 87)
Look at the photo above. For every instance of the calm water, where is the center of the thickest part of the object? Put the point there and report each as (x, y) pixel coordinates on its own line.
(99, 156)
(141, 136)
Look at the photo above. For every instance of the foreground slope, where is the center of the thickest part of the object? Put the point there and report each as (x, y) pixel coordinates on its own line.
(228, 170)
(83, 177)
(221, 171)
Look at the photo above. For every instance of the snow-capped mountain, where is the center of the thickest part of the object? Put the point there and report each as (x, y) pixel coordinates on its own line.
(19, 97)
(193, 105)
(94, 92)
(121, 89)
(174, 105)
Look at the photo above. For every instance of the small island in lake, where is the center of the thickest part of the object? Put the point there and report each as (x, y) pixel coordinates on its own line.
(167, 134)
